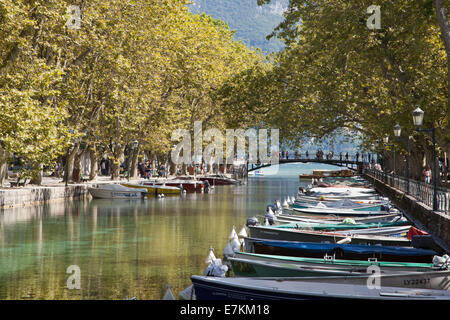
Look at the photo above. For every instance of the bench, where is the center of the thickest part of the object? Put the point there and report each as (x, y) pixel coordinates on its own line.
(21, 182)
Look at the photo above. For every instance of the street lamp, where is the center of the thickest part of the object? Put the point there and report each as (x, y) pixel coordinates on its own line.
(398, 133)
(418, 116)
(386, 140)
(418, 121)
(397, 130)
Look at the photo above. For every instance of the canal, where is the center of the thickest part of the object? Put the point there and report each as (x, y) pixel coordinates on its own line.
(128, 248)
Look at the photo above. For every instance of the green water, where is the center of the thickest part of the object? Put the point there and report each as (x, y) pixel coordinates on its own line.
(127, 248)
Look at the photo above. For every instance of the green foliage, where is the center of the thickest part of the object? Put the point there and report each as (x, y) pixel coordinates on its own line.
(133, 70)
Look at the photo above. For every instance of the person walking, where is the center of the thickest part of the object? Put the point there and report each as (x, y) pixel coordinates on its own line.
(427, 174)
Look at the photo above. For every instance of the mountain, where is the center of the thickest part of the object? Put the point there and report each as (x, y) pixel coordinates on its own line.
(251, 22)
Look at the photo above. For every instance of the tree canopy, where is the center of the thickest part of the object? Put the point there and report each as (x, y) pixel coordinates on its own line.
(98, 75)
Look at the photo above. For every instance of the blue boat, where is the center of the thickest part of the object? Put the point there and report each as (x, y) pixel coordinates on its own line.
(339, 251)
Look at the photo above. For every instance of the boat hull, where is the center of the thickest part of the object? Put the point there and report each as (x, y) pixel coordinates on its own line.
(154, 189)
(213, 288)
(339, 251)
(116, 194)
(188, 186)
(263, 232)
(340, 212)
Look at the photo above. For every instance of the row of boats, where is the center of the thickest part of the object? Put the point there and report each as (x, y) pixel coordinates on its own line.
(335, 242)
(159, 187)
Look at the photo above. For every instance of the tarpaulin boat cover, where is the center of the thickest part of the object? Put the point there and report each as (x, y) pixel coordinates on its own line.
(413, 231)
(348, 248)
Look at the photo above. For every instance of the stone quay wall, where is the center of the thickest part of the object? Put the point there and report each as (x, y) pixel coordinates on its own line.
(437, 224)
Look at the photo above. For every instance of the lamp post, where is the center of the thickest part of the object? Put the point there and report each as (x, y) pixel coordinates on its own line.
(397, 134)
(386, 140)
(418, 121)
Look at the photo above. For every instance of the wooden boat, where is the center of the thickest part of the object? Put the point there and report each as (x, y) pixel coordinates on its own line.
(274, 265)
(339, 251)
(256, 173)
(339, 212)
(334, 219)
(339, 226)
(191, 185)
(317, 174)
(153, 190)
(116, 191)
(215, 288)
(272, 233)
(217, 180)
(427, 279)
(331, 197)
(376, 205)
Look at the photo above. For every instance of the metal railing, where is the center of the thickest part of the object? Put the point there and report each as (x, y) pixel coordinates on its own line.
(422, 191)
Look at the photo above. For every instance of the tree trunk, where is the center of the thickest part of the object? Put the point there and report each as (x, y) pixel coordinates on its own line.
(133, 163)
(115, 162)
(94, 164)
(115, 170)
(36, 174)
(76, 175)
(68, 170)
(3, 166)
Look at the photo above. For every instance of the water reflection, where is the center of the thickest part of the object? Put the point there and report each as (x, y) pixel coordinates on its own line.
(124, 248)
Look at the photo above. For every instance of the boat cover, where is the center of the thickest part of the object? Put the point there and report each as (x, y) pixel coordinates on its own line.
(348, 248)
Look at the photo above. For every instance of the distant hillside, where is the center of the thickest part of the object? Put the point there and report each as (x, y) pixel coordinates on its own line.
(251, 22)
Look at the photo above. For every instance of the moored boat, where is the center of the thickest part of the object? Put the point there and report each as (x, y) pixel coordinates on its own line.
(334, 219)
(116, 191)
(338, 250)
(214, 288)
(188, 185)
(153, 189)
(256, 265)
(339, 212)
(339, 226)
(218, 179)
(285, 234)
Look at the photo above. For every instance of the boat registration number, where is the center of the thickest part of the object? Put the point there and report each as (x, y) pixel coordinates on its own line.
(415, 282)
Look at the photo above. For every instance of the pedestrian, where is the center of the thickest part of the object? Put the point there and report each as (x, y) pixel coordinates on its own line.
(357, 156)
(103, 167)
(340, 156)
(346, 156)
(148, 170)
(427, 174)
(141, 169)
(306, 154)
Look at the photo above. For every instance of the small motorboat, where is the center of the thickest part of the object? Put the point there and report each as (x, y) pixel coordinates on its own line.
(344, 251)
(117, 191)
(216, 288)
(218, 179)
(188, 185)
(154, 190)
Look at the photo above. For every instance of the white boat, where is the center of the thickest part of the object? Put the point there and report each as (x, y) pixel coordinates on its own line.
(117, 191)
(324, 210)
